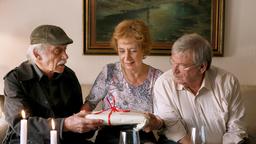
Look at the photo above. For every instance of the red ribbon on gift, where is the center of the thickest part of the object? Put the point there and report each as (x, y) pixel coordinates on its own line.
(113, 108)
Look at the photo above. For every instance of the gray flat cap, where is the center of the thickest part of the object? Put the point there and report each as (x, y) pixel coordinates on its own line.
(49, 34)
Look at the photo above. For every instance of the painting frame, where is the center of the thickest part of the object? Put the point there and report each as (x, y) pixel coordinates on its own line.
(93, 47)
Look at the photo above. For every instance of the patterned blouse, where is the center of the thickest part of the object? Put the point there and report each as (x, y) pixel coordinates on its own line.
(112, 88)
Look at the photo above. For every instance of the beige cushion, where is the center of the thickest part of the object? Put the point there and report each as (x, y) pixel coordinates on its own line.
(249, 96)
(85, 90)
(3, 123)
(1, 104)
(3, 128)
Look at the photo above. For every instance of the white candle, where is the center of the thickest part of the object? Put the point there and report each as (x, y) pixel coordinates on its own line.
(23, 128)
(193, 135)
(53, 133)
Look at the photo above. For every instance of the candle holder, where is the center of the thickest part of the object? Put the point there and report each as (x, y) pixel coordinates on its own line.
(129, 137)
(198, 135)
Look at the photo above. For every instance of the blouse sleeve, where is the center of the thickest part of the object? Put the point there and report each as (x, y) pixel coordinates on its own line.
(99, 88)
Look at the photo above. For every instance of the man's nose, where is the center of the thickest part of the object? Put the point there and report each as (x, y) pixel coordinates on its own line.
(65, 55)
(175, 68)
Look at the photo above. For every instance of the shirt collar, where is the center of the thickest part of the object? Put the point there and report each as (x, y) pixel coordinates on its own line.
(206, 81)
(40, 73)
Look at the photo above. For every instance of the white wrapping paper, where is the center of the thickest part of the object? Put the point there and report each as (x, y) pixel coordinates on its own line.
(121, 118)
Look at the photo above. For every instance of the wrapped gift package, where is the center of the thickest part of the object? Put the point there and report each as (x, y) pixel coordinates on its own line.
(111, 117)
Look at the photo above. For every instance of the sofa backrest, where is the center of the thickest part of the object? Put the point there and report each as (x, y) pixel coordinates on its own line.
(86, 89)
(1, 104)
(249, 96)
(248, 93)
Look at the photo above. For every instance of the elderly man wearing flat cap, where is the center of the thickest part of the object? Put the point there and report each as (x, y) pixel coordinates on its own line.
(46, 89)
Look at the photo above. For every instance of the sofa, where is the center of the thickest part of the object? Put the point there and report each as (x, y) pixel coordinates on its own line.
(248, 93)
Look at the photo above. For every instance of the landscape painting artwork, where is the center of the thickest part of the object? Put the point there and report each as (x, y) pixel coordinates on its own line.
(167, 21)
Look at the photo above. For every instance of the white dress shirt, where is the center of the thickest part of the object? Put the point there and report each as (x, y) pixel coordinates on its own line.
(217, 106)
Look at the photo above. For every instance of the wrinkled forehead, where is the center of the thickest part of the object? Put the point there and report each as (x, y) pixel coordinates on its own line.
(55, 49)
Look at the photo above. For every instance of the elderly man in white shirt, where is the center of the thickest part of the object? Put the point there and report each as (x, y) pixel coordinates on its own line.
(192, 94)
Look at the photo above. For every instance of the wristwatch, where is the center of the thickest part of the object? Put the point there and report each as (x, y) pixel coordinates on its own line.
(244, 141)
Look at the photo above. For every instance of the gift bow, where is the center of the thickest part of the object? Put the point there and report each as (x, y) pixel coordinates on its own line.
(113, 108)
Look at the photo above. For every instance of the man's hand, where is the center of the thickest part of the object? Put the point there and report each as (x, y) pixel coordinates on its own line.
(155, 123)
(79, 124)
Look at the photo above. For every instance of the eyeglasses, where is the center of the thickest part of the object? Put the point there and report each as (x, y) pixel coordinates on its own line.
(181, 67)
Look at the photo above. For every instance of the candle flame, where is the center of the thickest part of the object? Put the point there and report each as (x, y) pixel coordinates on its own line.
(53, 124)
(23, 114)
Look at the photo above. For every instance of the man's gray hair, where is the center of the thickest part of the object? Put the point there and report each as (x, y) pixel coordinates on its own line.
(30, 54)
(197, 45)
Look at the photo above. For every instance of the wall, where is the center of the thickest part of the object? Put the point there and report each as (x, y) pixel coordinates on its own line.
(19, 17)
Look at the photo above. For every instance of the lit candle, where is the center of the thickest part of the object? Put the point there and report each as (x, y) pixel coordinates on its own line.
(23, 128)
(53, 133)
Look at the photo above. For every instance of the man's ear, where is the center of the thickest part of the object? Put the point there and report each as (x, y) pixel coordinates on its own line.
(36, 54)
(203, 68)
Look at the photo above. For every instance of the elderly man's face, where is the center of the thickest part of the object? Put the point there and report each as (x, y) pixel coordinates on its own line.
(52, 59)
(185, 72)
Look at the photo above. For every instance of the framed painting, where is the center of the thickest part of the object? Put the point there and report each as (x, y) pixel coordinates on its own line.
(167, 21)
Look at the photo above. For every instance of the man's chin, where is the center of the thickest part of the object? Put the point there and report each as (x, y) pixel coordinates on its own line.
(178, 81)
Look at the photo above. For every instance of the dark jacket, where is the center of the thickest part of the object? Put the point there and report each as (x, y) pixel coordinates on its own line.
(24, 89)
